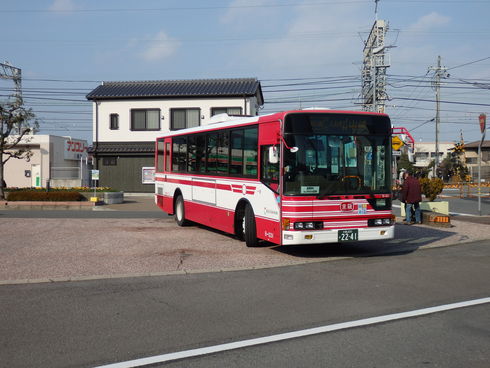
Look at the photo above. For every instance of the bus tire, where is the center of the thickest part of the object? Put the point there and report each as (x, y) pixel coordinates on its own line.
(179, 211)
(250, 228)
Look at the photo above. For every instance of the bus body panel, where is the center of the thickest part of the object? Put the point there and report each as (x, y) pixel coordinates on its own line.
(212, 202)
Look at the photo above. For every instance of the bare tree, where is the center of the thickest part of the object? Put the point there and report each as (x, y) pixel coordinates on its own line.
(16, 124)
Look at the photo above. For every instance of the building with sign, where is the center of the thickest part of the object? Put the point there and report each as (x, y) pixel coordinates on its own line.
(129, 116)
(56, 161)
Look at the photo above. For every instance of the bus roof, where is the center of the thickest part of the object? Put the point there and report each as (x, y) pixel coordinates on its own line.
(230, 121)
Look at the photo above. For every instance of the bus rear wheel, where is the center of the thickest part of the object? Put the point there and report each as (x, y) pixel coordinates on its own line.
(180, 212)
(249, 227)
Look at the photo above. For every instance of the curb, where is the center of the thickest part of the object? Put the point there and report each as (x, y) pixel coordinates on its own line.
(38, 205)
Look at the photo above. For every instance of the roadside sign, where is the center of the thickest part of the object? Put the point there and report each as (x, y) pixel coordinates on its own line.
(95, 174)
(396, 153)
(483, 120)
(396, 143)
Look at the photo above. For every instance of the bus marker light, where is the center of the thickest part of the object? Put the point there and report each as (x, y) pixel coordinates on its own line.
(382, 232)
(309, 237)
(288, 237)
(285, 223)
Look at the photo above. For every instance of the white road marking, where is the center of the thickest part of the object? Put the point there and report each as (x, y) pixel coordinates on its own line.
(293, 335)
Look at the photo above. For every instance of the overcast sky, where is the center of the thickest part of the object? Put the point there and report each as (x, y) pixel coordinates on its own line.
(305, 53)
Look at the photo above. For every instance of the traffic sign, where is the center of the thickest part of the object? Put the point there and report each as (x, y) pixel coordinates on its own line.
(396, 143)
(95, 174)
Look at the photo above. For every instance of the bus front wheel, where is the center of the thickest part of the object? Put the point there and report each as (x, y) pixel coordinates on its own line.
(180, 211)
(249, 227)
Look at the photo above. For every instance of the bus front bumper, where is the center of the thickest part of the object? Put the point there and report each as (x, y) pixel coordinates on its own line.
(333, 236)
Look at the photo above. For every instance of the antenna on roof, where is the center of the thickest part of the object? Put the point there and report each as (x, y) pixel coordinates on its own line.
(376, 9)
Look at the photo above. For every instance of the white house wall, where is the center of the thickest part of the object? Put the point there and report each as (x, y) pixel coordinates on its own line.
(123, 109)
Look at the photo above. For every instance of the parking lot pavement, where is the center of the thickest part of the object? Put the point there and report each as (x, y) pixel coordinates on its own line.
(62, 249)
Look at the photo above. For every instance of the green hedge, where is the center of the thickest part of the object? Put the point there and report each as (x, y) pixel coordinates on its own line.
(61, 189)
(32, 195)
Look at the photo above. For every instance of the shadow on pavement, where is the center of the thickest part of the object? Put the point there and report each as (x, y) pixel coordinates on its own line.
(407, 239)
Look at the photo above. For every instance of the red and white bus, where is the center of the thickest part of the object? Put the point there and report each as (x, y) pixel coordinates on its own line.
(294, 177)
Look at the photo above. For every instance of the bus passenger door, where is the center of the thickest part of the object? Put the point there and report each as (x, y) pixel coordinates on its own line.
(268, 224)
(166, 201)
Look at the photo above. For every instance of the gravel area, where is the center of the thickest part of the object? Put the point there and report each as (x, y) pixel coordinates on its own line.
(42, 250)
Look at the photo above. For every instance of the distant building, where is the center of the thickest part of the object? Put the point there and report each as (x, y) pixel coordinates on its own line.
(55, 161)
(425, 152)
(471, 154)
(129, 116)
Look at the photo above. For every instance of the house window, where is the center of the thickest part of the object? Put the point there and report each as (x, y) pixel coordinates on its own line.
(145, 119)
(114, 121)
(109, 161)
(226, 110)
(184, 118)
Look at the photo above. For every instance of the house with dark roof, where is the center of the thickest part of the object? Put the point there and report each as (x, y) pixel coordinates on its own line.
(129, 116)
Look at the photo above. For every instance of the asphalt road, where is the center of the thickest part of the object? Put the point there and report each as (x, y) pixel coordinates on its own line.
(90, 323)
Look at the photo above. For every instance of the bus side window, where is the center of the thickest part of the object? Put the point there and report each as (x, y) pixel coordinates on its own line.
(236, 162)
(250, 152)
(269, 173)
(211, 153)
(223, 152)
(160, 156)
(167, 156)
(179, 154)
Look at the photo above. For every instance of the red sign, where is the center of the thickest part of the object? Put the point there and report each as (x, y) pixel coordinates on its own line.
(347, 206)
(483, 121)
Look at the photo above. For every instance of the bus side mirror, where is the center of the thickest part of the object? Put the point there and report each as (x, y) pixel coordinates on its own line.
(273, 155)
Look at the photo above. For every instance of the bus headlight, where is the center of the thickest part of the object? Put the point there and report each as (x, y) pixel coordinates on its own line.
(309, 225)
(381, 222)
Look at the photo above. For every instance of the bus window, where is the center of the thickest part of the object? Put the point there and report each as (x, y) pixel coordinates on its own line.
(236, 162)
(212, 153)
(179, 154)
(223, 152)
(250, 152)
(269, 173)
(201, 154)
(167, 156)
(160, 156)
(191, 153)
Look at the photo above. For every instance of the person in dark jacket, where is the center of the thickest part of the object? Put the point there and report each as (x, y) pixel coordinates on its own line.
(412, 194)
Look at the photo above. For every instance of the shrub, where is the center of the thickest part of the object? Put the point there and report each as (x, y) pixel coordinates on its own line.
(62, 189)
(431, 187)
(34, 195)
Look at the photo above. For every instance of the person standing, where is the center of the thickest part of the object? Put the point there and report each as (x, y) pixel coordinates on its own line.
(412, 194)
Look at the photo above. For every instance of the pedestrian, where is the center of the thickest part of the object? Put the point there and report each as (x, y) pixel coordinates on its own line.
(412, 195)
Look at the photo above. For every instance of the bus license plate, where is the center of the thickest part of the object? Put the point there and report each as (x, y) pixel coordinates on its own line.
(348, 235)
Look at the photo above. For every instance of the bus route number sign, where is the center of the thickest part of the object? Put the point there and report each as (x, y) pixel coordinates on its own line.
(347, 235)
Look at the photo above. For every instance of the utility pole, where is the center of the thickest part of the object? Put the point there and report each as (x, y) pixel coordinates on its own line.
(439, 72)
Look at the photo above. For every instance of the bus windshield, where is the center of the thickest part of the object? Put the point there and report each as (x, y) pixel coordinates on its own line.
(347, 155)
